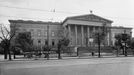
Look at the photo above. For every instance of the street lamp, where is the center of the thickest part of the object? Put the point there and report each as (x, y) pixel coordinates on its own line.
(124, 39)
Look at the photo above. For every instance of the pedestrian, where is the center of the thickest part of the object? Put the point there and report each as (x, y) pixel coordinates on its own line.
(92, 53)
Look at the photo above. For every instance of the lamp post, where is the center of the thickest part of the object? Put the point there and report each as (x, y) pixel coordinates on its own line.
(124, 39)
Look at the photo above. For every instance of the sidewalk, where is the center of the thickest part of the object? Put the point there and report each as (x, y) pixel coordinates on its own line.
(63, 58)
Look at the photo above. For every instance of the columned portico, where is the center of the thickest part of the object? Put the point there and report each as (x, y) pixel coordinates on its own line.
(81, 28)
(85, 34)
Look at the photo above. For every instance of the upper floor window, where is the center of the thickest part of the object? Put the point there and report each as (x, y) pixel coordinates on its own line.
(53, 34)
(45, 33)
(39, 32)
(32, 32)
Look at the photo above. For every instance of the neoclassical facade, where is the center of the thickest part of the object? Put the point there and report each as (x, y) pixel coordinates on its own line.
(80, 30)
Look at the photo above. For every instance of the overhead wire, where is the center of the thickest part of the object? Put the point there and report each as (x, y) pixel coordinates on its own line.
(54, 11)
(33, 9)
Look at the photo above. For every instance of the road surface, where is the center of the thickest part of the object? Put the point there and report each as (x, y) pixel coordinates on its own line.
(96, 66)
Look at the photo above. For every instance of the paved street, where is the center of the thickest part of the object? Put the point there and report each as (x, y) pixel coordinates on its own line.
(96, 66)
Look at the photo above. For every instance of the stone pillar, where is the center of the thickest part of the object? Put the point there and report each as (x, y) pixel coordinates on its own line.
(94, 29)
(110, 36)
(76, 35)
(69, 29)
(88, 35)
(82, 35)
(108, 39)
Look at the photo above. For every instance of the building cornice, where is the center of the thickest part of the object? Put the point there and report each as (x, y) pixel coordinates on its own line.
(120, 27)
(34, 22)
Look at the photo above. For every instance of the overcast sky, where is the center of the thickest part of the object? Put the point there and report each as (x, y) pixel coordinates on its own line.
(119, 11)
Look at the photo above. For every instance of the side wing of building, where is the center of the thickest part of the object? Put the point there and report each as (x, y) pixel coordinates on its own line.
(42, 33)
(119, 30)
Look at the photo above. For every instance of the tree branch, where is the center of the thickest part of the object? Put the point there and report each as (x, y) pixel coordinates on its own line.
(1, 38)
(2, 32)
(8, 32)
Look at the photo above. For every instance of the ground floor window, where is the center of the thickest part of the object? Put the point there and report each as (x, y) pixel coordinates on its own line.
(46, 42)
(53, 42)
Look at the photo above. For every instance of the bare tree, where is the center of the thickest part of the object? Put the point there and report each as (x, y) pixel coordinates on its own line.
(123, 40)
(6, 37)
(99, 37)
(63, 42)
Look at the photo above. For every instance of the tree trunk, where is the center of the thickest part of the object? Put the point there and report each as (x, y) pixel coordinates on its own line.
(14, 56)
(9, 52)
(10, 58)
(59, 52)
(133, 53)
(125, 49)
(77, 52)
(5, 53)
(48, 53)
(99, 50)
(117, 52)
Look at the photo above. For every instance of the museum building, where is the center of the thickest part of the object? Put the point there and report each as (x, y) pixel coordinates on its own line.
(79, 29)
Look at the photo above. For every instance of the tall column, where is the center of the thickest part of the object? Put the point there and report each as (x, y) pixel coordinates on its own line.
(88, 35)
(69, 29)
(108, 39)
(110, 36)
(76, 35)
(94, 29)
(88, 31)
(82, 34)
(99, 28)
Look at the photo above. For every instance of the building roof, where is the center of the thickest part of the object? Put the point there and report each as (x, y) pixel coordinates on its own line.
(34, 22)
(88, 17)
(120, 27)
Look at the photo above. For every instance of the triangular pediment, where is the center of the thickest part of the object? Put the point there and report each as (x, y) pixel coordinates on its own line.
(90, 17)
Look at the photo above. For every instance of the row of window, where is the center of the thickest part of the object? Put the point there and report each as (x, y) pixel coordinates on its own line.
(46, 42)
(39, 33)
